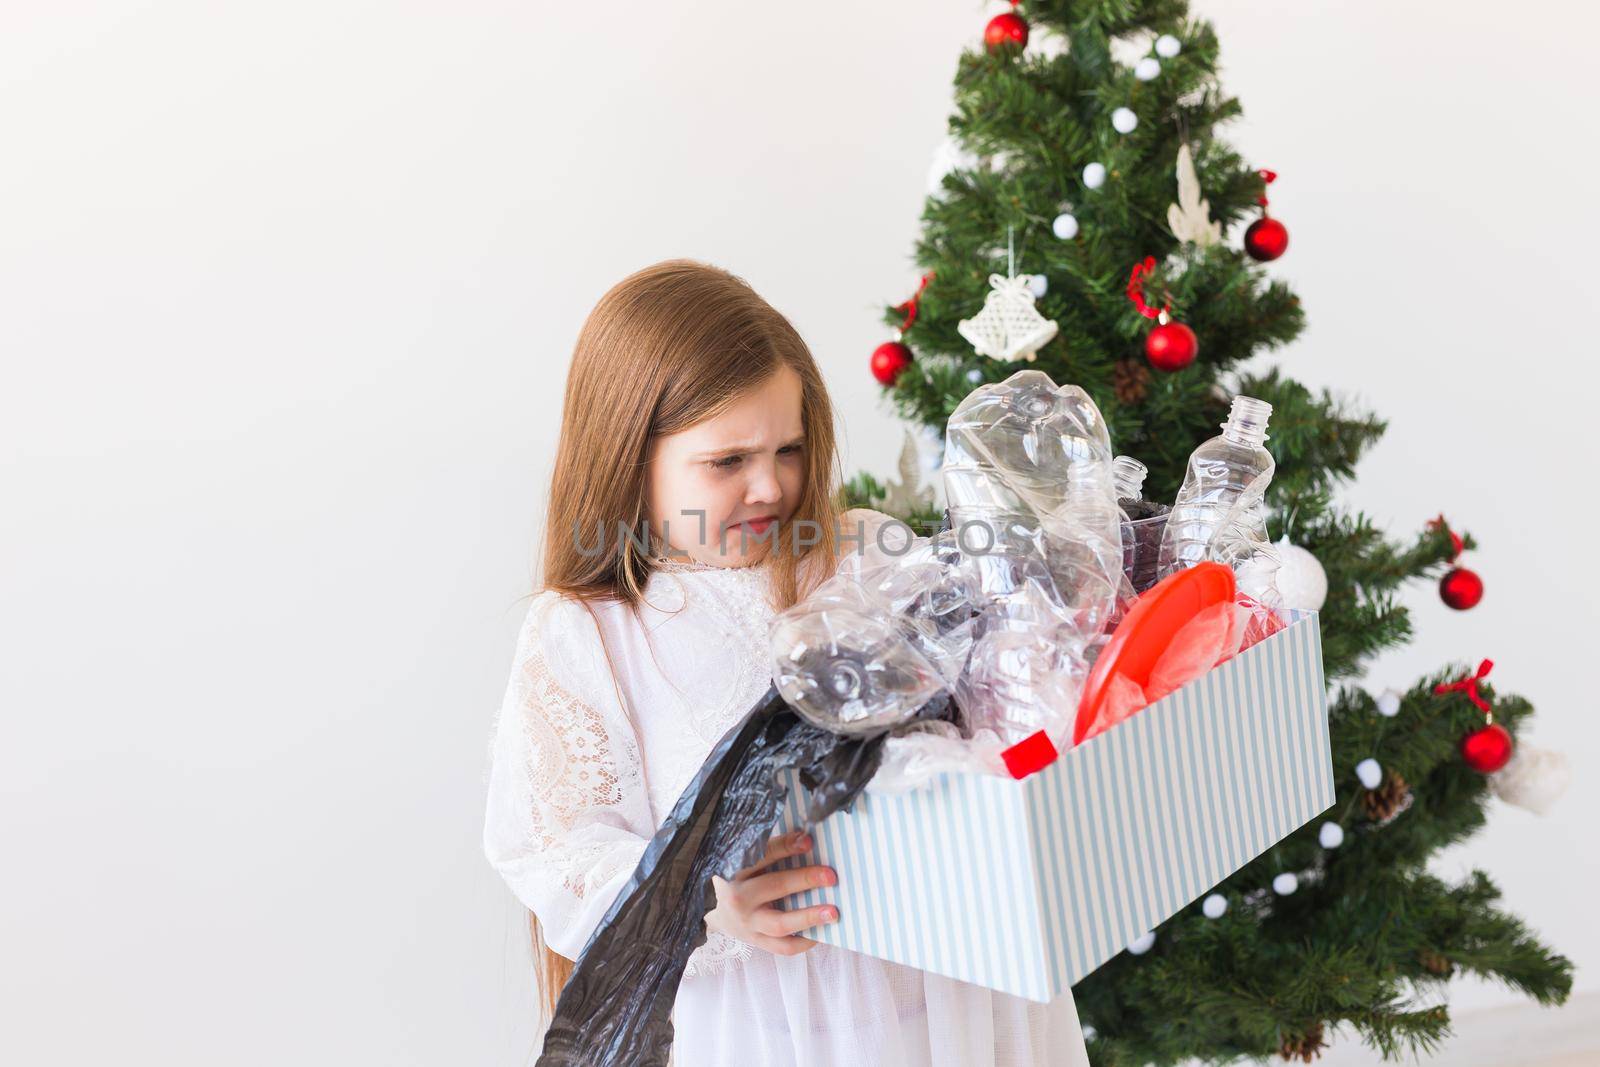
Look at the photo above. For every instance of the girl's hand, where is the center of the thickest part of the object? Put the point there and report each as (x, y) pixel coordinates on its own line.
(745, 905)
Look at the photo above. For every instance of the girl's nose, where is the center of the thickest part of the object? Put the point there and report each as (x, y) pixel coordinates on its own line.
(763, 487)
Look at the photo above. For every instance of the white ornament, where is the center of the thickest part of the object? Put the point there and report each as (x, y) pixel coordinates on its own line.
(1038, 285)
(1142, 944)
(949, 156)
(1214, 906)
(1089, 1032)
(1301, 580)
(1285, 883)
(1094, 175)
(1190, 218)
(1065, 226)
(1123, 120)
(1388, 703)
(1147, 69)
(1168, 46)
(974, 375)
(1007, 327)
(1331, 835)
(1370, 773)
(1534, 778)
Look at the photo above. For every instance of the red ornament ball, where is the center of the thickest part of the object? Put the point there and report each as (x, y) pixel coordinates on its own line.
(1007, 29)
(1488, 749)
(1171, 346)
(888, 360)
(1461, 588)
(1266, 239)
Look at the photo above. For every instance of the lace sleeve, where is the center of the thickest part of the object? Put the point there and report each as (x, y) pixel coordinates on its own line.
(568, 815)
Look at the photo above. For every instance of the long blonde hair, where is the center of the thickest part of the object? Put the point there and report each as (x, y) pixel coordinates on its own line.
(666, 348)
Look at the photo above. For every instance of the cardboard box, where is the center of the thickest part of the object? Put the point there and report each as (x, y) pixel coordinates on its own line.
(1028, 885)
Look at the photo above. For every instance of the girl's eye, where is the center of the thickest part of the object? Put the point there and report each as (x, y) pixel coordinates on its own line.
(730, 462)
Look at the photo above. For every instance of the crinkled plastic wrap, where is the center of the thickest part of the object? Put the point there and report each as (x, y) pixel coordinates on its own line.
(616, 1008)
(1033, 503)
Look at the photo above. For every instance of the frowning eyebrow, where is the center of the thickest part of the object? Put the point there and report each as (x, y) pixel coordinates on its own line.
(739, 450)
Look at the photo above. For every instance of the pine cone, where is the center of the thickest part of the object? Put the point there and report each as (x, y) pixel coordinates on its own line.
(1388, 800)
(1434, 963)
(1130, 380)
(1306, 1047)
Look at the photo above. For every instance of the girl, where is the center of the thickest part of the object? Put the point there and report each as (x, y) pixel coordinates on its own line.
(695, 417)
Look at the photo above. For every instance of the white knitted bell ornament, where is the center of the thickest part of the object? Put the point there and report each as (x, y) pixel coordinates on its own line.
(1008, 327)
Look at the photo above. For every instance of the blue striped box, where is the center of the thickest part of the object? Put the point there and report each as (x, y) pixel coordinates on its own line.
(1027, 886)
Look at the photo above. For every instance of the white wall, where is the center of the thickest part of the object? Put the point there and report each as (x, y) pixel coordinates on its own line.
(286, 295)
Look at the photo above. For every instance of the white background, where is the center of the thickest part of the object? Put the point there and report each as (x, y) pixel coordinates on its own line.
(287, 293)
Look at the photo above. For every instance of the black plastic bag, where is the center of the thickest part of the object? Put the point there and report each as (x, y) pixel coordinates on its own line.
(616, 1008)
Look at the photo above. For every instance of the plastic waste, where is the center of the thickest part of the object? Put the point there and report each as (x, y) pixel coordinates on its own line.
(879, 639)
(1128, 473)
(1242, 543)
(1230, 467)
(1032, 500)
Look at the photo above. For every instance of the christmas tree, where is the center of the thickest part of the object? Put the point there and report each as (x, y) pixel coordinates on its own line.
(1084, 171)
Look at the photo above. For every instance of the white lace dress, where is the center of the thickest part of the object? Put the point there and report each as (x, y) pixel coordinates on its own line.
(586, 765)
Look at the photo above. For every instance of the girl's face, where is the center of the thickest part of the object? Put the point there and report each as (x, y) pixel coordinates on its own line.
(710, 484)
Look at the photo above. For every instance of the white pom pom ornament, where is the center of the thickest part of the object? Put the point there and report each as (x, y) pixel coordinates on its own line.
(1285, 883)
(1147, 69)
(1123, 120)
(1142, 944)
(1094, 175)
(1370, 773)
(1331, 835)
(1168, 46)
(1214, 906)
(1534, 779)
(1064, 227)
(1301, 580)
(1389, 703)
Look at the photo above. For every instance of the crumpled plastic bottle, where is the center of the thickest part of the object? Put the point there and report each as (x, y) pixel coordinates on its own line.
(1242, 543)
(1032, 501)
(878, 640)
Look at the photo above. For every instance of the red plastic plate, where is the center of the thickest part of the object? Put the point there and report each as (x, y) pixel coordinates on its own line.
(1147, 630)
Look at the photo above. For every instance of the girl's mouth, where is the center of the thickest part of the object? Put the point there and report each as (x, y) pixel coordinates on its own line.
(760, 525)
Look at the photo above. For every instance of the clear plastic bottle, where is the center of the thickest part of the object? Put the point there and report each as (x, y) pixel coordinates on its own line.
(1231, 467)
(1128, 473)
